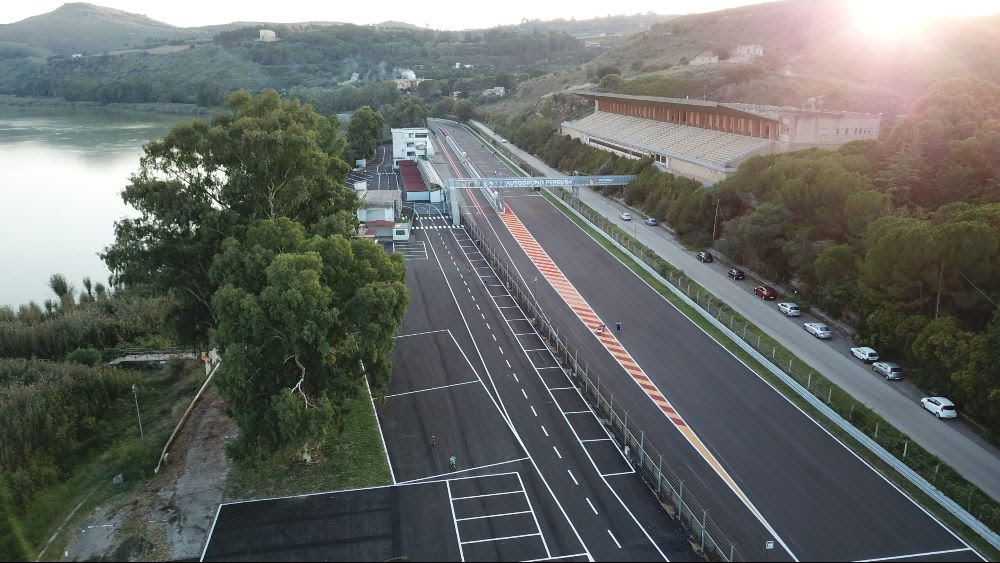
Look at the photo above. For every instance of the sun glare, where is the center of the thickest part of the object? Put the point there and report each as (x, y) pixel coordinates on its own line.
(895, 18)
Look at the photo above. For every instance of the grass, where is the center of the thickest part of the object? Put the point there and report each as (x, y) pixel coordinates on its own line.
(163, 396)
(836, 396)
(350, 459)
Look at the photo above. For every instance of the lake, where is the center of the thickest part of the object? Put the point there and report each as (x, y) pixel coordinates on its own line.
(61, 174)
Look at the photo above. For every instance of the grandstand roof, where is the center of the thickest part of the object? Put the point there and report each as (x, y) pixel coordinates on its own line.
(733, 108)
(714, 149)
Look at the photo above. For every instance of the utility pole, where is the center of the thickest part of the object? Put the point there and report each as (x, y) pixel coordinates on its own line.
(135, 394)
(715, 221)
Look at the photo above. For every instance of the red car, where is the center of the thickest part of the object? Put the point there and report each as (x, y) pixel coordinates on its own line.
(765, 292)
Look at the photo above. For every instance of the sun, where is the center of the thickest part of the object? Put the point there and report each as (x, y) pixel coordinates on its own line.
(891, 19)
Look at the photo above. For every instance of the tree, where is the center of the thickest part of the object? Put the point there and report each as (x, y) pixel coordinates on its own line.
(463, 110)
(605, 70)
(309, 318)
(409, 112)
(208, 181)
(364, 133)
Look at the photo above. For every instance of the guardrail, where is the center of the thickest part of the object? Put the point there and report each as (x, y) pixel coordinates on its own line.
(658, 475)
(170, 440)
(921, 468)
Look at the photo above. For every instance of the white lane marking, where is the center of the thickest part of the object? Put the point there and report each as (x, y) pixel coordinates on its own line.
(616, 474)
(575, 482)
(546, 432)
(493, 335)
(523, 393)
(515, 378)
(591, 505)
(561, 389)
(489, 495)
(483, 316)
(501, 349)
(451, 505)
(503, 538)
(488, 326)
(614, 538)
(532, 509)
(430, 389)
(508, 362)
(560, 557)
(533, 411)
(597, 440)
(421, 333)
(559, 455)
(477, 307)
(913, 555)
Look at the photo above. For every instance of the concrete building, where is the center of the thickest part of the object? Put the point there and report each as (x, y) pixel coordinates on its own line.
(378, 213)
(708, 140)
(411, 143)
(267, 35)
(746, 54)
(704, 58)
(495, 92)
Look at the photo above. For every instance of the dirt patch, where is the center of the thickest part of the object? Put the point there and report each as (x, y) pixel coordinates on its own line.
(169, 516)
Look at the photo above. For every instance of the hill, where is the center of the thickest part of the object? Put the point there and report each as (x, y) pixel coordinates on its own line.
(610, 26)
(814, 55)
(85, 28)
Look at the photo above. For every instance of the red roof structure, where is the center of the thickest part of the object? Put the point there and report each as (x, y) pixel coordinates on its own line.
(412, 180)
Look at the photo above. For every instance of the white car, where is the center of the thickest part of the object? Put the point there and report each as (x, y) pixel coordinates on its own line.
(789, 309)
(625, 216)
(502, 140)
(819, 330)
(941, 407)
(865, 354)
(889, 370)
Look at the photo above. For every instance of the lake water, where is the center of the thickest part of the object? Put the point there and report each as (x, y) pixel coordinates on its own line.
(61, 174)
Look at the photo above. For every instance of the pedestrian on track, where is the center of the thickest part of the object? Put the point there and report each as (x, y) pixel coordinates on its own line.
(618, 327)
(434, 440)
(453, 462)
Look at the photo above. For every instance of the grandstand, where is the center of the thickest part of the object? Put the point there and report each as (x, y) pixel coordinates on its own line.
(708, 140)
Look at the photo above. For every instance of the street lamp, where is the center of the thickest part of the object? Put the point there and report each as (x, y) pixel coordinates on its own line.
(135, 394)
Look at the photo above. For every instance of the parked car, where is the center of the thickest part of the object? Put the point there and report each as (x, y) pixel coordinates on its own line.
(652, 222)
(819, 330)
(705, 256)
(865, 354)
(789, 309)
(736, 274)
(941, 407)
(765, 292)
(888, 370)
(625, 216)
(503, 140)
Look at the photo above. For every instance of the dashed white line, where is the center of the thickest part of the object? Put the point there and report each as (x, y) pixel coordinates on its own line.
(501, 349)
(591, 505)
(614, 538)
(575, 482)
(523, 393)
(546, 432)
(488, 326)
(494, 336)
(508, 362)
(559, 455)
(533, 411)
(515, 378)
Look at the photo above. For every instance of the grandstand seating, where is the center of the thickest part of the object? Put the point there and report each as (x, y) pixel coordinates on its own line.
(716, 147)
(412, 180)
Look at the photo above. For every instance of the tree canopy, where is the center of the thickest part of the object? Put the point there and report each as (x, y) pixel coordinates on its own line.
(247, 223)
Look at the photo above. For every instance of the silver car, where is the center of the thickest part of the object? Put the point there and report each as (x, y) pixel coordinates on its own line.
(625, 216)
(888, 370)
(789, 309)
(819, 330)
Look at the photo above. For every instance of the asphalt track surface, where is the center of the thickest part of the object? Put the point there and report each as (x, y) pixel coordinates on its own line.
(821, 501)
(898, 402)
(378, 171)
(537, 475)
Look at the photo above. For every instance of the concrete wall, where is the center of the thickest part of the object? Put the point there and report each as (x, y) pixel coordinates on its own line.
(828, 131)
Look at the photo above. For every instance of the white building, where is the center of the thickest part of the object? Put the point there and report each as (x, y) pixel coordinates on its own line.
(411, 143)
(378, 213)
(496, 91)
(267, 35)
(745, 54)
(704, 58)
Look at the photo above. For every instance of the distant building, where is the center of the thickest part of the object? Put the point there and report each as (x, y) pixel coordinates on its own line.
(411, 143)
(267, 35)
(745, 54)
(708, 140)
(590, 45)
(407, 83)
(496, 91)
(704, 58)
(354, 78)
(77, 56)
(378, 212)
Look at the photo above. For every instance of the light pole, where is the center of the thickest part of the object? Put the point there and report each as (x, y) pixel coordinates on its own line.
(135, 394)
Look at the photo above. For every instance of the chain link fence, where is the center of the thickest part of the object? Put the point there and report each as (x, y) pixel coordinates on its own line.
(649, 463)
(927, 465)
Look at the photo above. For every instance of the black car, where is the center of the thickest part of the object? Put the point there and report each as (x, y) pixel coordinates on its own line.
(705, 256)
(736, 274)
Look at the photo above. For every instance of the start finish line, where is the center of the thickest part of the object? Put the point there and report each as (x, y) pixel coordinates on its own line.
(537, 182)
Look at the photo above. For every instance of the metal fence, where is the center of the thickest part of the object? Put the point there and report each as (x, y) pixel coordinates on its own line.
(946, 480)
(649, 463)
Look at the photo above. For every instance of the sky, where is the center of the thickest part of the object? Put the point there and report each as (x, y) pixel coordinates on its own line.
(451, 14)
